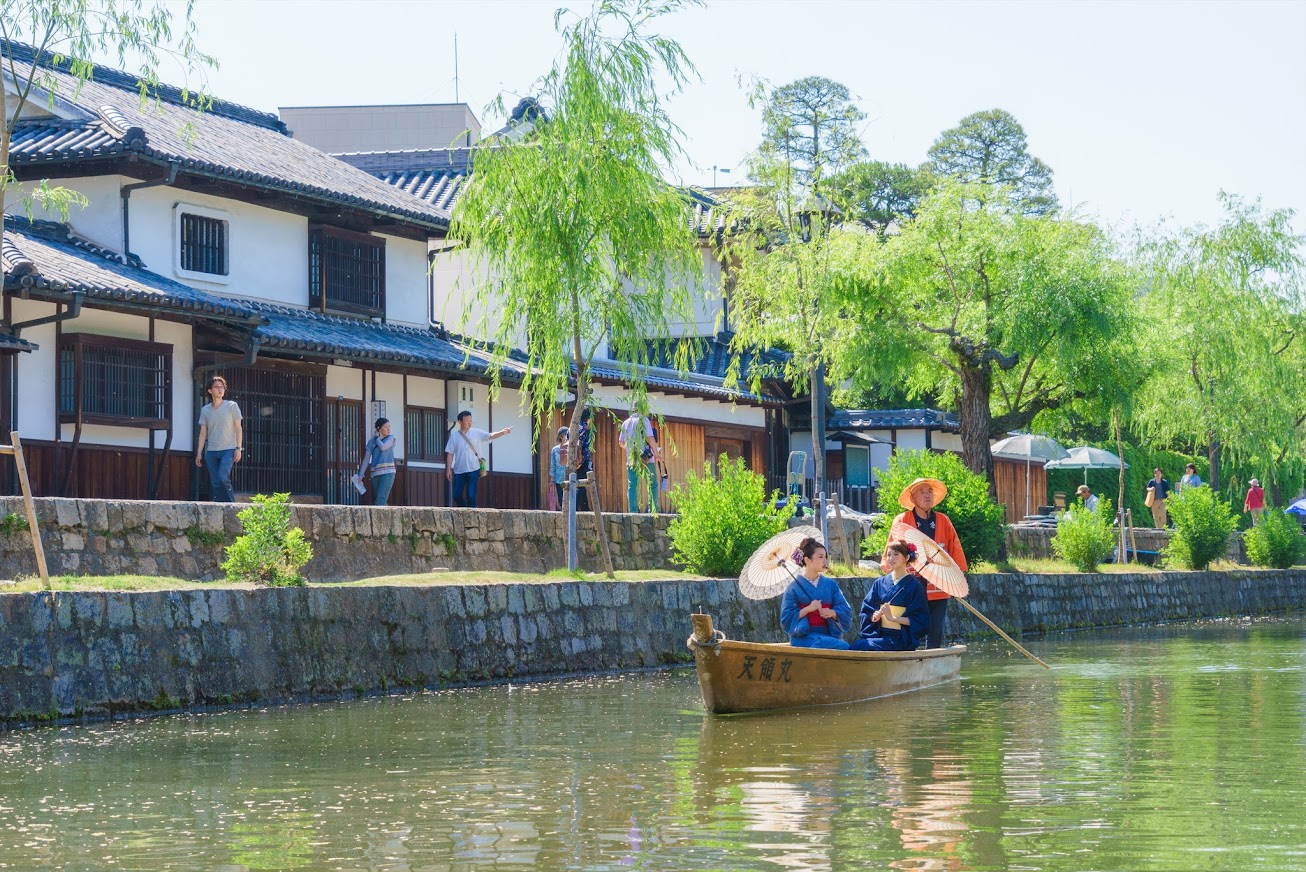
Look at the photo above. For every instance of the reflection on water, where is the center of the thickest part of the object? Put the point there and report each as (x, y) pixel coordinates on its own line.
(1175, 748)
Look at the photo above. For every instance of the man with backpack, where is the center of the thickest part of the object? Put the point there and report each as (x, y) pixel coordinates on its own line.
(639, 439)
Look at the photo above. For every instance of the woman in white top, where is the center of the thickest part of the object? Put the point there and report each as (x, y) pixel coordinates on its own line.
(220, 441)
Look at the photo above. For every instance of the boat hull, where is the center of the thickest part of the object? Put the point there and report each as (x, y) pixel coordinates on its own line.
(750, 676)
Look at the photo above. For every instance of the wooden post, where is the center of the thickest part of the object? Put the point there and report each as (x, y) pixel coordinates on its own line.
(843, 535)
(1133, 543)
(16, 449)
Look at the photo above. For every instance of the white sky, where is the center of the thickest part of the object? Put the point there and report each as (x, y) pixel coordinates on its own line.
(1143, 110)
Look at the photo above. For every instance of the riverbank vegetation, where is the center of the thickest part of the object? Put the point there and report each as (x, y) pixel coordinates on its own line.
(963, 284)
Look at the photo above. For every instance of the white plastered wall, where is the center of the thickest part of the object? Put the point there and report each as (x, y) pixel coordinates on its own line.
(454, 282)
(100, 221)
(405, 281)
(515, 451)
(38, 372)
(267, 249)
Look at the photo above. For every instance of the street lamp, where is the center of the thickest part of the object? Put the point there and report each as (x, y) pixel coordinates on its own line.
(716, 169)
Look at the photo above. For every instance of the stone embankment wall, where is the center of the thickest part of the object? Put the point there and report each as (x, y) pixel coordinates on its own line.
(187, 540)
(1037, 542)
(71, 654)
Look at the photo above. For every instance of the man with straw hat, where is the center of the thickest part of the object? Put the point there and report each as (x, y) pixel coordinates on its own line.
(919, 499)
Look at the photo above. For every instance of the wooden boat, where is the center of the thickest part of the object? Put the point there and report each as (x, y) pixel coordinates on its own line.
(752, 676)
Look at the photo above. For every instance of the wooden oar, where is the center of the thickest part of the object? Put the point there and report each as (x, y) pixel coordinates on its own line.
(998, 629)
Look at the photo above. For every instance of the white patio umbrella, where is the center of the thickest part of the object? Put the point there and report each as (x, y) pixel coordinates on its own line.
(1087, 457)
(1029, 447)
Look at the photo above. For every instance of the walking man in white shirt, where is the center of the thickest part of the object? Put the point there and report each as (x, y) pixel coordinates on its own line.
(464, 462)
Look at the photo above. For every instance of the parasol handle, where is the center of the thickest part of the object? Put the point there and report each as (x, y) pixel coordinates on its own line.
(999, 631)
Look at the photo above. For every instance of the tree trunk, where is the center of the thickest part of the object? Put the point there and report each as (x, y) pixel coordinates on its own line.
(818, 436)
(573, 457)
(1213, 455)
(976, 421)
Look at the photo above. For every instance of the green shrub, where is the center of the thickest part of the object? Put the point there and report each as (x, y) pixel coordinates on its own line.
(269, 551)
(1276, 541)
(722, 521)
(1085, 538)
(979, 520)
(1203, 523)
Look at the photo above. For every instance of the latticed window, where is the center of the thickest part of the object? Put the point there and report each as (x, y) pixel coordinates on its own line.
(203, 244)
(108, 380)
(424, 434)
(346, 271)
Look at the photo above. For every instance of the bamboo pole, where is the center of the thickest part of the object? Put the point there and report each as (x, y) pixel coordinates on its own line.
(16, 449)
(1000, 632)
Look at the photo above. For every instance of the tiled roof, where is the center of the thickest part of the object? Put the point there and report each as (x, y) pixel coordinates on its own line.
(314, 334)
(437, 176)
(614, 372)
(45, 255)
(714, 355)
(225, 141)
(10, 344)
(893, 419)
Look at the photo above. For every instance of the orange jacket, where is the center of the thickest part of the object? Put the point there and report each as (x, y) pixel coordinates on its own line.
(946, 536)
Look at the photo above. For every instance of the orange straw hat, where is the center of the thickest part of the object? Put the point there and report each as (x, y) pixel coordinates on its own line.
(940, 491)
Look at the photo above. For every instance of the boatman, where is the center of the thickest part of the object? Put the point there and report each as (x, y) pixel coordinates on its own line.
(919, 499)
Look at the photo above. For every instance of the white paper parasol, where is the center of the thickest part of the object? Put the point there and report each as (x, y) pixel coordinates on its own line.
(936, 567)
(931, 561)
(771, 568)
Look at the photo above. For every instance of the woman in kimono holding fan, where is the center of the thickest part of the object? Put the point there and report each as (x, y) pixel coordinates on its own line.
(814, 612)
(895, 614)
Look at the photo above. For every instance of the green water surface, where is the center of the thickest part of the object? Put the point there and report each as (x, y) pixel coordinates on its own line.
(1182, 748)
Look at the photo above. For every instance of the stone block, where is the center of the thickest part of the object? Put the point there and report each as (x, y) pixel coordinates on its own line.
(474, 600)
(362, 520)
(67, 513)
(516, 600)
(133, 516)
(342, 520)
(118, 610)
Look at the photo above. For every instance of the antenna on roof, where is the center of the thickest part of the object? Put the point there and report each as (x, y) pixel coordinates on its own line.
(455, 67)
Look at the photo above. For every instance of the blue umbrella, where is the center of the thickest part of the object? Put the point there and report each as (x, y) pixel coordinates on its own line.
(1297, 508)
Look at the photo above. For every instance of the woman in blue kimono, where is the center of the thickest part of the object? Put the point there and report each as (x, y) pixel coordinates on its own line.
(814, 611)
(899, 588)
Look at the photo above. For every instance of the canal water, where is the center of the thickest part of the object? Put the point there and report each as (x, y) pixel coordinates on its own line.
(1175, 748)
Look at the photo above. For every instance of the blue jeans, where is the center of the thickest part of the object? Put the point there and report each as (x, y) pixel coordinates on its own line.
(632, 487)
(381, 486)
(219, 464)
(464, 488)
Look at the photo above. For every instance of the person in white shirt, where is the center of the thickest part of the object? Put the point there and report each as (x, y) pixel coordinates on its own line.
(220, 443)
(464, 458)
(1089, 498)
(639, 439)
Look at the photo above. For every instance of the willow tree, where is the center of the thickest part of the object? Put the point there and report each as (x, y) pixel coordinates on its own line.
(577, 239)
(1225, 324)
(1012, 315)
(76, 32)
(786, 242)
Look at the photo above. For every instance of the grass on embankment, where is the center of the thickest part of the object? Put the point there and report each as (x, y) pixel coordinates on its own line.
(432, 579)
(1030, 566)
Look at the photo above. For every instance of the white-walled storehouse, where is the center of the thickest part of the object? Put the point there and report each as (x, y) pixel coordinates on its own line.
(702, 418)
(214, 242)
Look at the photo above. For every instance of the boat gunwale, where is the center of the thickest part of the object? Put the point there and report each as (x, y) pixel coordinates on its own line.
(829, 653)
